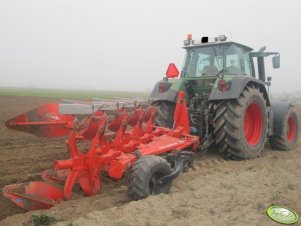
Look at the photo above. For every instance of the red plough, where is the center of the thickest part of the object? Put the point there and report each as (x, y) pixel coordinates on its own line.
(117, 139)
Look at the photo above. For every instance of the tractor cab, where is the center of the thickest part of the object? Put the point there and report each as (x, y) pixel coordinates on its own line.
(212, 57)
(223, 56)
(211, 64)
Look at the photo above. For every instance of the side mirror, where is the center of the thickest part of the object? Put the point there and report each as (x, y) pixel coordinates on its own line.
(172, 71)
(276, 61)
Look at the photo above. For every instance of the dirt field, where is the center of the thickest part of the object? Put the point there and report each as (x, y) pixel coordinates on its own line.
(214, 192)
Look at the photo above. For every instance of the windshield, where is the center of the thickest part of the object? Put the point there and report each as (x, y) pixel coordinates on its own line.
(209, 60)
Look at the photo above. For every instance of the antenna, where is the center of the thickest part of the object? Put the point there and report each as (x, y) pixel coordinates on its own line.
(230, 33)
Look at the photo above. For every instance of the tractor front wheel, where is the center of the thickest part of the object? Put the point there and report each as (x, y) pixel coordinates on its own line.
(144, 174)
(240, 126)
(290, 131)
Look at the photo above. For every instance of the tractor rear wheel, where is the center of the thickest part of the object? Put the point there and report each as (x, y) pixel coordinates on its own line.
(165, 113)
(143, 175)
(240, 126)
(290, 132)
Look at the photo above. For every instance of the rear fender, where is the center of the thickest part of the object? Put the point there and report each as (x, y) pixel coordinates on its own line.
(169, 95)
(236, 86)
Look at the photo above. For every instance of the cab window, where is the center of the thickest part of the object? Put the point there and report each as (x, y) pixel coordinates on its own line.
(237, 61)
(204, 61)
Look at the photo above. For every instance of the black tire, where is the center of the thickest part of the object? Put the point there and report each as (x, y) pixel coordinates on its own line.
(165, 113)
(290, 132)
(240, 126)
(142, 175)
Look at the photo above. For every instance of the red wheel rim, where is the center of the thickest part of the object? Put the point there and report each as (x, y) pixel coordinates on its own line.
(291, 129)
(253, 124)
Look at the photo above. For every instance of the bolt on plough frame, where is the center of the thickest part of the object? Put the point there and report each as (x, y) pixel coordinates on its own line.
(119, 134)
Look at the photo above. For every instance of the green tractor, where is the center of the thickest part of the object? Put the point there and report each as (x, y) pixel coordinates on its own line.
(228, 100)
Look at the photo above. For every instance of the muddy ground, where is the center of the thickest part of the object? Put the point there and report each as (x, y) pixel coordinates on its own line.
(214, 192)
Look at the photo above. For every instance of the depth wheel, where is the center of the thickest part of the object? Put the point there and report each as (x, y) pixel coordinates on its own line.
(240, 126)
(143, 175)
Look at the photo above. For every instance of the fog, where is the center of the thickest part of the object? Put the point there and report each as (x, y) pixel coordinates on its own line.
(127, 45)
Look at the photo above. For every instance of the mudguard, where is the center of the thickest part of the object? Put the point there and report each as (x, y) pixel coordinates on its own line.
(236, 86)
(279, 109)
(169, 95)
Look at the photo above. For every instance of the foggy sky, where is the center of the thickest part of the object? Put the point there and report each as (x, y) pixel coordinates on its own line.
(127, 45)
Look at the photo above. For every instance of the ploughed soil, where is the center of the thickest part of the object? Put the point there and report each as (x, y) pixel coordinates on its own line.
(213, 192)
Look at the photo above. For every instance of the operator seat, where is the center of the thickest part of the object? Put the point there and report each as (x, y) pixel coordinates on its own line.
(210, 70)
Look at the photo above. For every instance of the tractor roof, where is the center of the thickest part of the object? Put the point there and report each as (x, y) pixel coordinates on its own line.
(206, 41)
